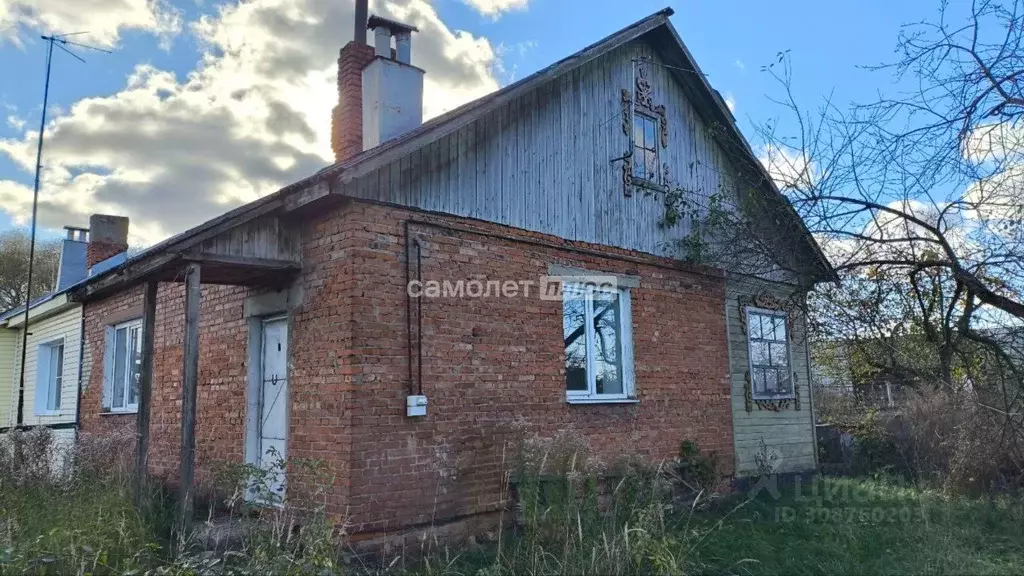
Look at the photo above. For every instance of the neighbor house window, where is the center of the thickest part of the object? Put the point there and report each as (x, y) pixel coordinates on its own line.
(124, 363)
(49, 377)
(598, 343)
(645, 147)
(770, 374)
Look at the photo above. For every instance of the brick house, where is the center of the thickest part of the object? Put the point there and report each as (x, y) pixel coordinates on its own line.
(387, 315)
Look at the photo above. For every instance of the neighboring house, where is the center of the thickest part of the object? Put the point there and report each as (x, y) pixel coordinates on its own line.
(391, 314)
(52, 359)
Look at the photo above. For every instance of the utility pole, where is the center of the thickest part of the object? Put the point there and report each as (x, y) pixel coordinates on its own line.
(60, 41)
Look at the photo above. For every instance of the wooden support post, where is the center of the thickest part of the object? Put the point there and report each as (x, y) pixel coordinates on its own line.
(188, 398)
(145, 390)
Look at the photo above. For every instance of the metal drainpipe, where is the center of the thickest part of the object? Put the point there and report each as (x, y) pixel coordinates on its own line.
(416, 389)
(81, 358)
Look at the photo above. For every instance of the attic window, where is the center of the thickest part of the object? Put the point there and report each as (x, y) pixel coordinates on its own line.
(645, 148)
(646, 125)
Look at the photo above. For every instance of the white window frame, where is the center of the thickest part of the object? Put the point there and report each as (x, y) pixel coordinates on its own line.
(637, 114)
(47, 381)
(590, 395)
(127, 408)
(751, 311)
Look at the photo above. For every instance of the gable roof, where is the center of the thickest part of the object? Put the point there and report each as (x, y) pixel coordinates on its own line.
(705, 99)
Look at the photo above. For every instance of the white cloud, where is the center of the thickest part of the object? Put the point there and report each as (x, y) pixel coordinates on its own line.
(791, 169)
(998, 151)
(15, 122)
(730, 101)
(739, 64)
(253, 116)
(495, 8)
(102, 20)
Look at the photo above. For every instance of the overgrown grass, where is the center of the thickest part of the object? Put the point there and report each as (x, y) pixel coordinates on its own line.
(567, 514)
(862, 526)
(56, 518)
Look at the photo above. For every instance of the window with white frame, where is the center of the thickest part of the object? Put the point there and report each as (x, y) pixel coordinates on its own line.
(645, 147)
(124, 363)
(49, 377)
(598, 335)
(768, 338)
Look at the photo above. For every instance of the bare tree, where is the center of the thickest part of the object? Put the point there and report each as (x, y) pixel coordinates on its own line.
(928, 182)
(14, 250)
(918, 199)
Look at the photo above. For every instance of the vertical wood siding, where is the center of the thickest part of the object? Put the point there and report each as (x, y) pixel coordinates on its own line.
(789, 432)
(264, 237)
(543, 162)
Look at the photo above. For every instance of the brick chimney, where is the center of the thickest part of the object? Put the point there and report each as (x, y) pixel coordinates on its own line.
(347, 116)
(108, 237)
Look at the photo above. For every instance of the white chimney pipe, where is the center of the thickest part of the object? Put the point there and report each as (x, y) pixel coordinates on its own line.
(392, 87)
(403, 47)
(382, 42)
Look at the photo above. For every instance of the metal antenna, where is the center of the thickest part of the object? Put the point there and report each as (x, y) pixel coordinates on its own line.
(61, 42)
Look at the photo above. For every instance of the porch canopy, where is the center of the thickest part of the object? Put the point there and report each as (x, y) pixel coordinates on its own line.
(256, 245)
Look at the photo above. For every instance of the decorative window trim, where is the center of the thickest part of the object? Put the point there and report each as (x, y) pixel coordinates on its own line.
(767, 303)
(590, 395)
(644, 105)
(44, 377)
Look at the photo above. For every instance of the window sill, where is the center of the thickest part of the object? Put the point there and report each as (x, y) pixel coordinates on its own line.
(773, 398)
(648, 185)
(602, 400)
(119, 412)
(48, 414)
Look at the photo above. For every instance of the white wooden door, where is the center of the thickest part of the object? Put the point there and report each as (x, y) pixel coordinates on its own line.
(273, 422)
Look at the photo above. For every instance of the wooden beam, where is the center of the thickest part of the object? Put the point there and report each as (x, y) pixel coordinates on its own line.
(308, 194)
(145, 390)
(250, 262)
(132, 271)
(189, 388)
(166, 252)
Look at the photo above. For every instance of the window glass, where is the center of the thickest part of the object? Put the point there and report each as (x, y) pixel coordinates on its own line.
(134, 364)
(645, 147)
(769, 355)
(56, 377)
(607, 343)
(120, 367)
(574, 329)
(596, 334)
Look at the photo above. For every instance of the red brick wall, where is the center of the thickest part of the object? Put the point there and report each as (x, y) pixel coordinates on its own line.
(220, 417)
(489, 363)
(96, 252)
(347, 116)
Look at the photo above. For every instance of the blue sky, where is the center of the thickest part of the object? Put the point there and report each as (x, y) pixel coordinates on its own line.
(134, 131)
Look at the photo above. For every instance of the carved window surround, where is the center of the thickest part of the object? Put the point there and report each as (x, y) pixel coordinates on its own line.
(768, 302)
(645, 105)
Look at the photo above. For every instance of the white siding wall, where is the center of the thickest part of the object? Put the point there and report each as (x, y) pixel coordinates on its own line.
(789, 432)
(8, 355)
(66, 325)
(543, 162)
